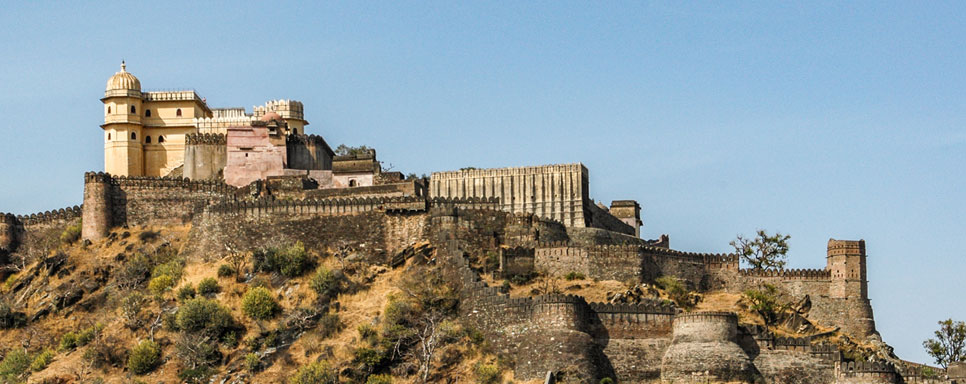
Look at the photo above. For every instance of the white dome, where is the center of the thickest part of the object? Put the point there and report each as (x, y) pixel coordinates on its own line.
(123, 80)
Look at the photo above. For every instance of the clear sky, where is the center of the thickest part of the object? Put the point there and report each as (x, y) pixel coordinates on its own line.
(839, 119)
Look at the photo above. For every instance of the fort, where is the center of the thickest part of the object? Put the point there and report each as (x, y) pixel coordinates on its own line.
(259, 177)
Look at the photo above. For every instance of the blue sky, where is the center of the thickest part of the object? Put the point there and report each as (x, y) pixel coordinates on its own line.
(837, 119)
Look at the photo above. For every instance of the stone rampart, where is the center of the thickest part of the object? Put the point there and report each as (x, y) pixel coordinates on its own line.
(308, 152)
(111, 201)
(862, 372)
(704, 348)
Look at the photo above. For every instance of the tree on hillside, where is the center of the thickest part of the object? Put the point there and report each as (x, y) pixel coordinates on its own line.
(763, 252)
(949, 346)
(345, 150)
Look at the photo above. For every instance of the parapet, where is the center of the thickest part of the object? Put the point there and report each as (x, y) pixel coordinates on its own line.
(789, 274)
(63, 214)
(511, 171)
(846, 247)
(205, 139)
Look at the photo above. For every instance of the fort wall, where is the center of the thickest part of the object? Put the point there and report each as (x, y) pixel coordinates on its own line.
(205, 156)
(309, 152)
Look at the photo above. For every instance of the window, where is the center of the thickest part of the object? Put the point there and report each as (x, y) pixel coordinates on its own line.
(147, 113)
(178, 112)
(160, 139)
(108, 136)
(134, 136)
(147, 140)
(108, 109)
(352, 183)
(133, 110)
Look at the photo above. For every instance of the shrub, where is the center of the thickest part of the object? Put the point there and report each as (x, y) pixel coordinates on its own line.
(487, 373)
(606, 380)
(14, 365)
(252, 362)
(88, 334)
(72, 233)
(161, 284)
(329, 324)
(765, 301)
(314, 373)
(131, 309)
(144, 357)
(148, 235)
(325, 283)
(186, 293)
(134, 271)
(195, 350)
(521, 279)
(574, 276)
(226, 270)
(196, 375)
(368, 333)
(290, 261)
(173, 268)
(259, 304)
(379, 379)
(105, 352)
(371, 358)
(208, 286)
(42, 360)
(68, 341)
(205, 316)
(675, 290)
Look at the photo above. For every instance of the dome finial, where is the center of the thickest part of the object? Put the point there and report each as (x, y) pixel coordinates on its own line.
(123, 66)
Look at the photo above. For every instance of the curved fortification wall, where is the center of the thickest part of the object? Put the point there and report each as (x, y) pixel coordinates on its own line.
(704, 348)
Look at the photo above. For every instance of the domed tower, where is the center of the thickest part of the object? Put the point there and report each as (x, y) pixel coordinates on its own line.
(123, 151)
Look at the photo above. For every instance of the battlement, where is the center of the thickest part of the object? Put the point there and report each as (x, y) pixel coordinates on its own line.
(220, 124)
(865, 368)
(322, 206)
(659, 307)
(466, 203)
(150, 182)
(843, 247)
(233, 112)
(706, 317)
(511, 171)
(789, 274)
(63, 214)
(205, 139)
(287, 109)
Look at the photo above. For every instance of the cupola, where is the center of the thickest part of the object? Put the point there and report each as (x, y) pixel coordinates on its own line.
(123, 83)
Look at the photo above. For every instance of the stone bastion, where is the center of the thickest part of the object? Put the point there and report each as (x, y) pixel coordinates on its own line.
(704, 348)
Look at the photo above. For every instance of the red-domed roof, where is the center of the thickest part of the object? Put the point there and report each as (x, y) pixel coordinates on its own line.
(271, 116)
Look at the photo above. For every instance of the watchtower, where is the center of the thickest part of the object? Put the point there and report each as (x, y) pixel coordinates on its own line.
(846, 261)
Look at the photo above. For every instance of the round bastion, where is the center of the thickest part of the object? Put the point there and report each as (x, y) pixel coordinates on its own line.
(704, 348)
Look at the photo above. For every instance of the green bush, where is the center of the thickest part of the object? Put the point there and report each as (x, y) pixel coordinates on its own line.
(290, 261)
(72, 233)
(88, 334)
(186, 293)
(325, 284)
(606, 380)
(259, 304)
(68, 341)
(675, 289)
(42, 360)
(371, 358)
(144, 357)
(208, 286)
(134, 271)
(204, 315)
(574, 276)
(173, 268)
(197, 375)
(14, 365)
(487, 374)
(161, 284)
(379, 379)
(765, 301)
(252, 362)
(314, 373)
(226, 270)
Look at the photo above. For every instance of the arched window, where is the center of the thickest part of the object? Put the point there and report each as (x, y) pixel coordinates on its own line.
(160, 139)
(147, 113)
(134, 136)
(352, 183)
(108, 109)
(147, 140)
(178, 112)
(108, 136)
(133, 110)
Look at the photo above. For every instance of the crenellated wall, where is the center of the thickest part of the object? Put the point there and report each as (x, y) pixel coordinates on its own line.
(113, 201)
